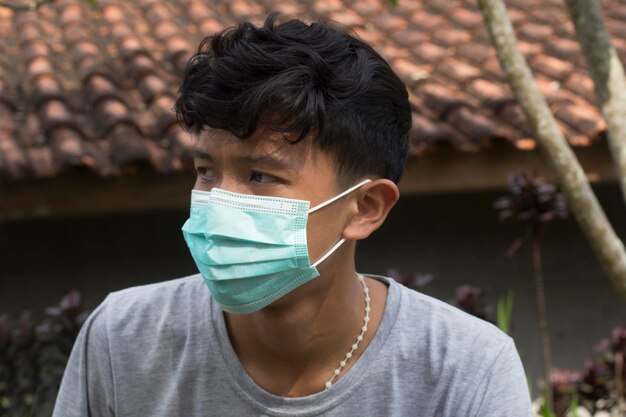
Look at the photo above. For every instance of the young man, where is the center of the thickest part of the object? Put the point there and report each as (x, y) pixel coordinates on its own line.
(301, 138)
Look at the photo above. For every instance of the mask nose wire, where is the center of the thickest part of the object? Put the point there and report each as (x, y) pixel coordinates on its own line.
(338, 196)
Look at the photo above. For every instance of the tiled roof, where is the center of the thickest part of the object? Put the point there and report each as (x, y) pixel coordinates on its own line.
(94, 88)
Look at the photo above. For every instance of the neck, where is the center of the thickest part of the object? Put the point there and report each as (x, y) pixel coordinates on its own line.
(300, 339)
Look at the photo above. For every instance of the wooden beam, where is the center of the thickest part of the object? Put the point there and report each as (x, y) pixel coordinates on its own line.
(449, 170)
(87, 194)
(446, 170)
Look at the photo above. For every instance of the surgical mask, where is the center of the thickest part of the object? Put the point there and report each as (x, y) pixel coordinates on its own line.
(250, 249)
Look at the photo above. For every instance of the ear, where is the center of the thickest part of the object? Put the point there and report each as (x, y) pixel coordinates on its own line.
(373, 202)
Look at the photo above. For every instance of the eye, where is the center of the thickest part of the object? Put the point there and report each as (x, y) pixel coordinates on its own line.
(263, 178)
(204, 173)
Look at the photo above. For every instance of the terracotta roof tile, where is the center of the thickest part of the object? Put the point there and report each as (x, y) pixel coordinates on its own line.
(407, 37)
(13, 161)
(534, 32)
(459, 70)
(488, 92)
(94, 89)
(347, 18)
(529, 49)
(426, 134)
(41, 162)
(616, 27)
(367, 8)
(54, 113)
(554, 68)
(511, 113)
(440, 99)
(450, 37)
(474, 125)
(616, 10)
(127, 147)
(518, 16)
(581, 84)
(109, 112)
(547, 13)
(328, 6)
(427, 52)
(409, 72)
(582, 118)
(466, 18)
(565, 29)
(439, 6)
(46, 87)
(475, 53)
(422, 20)
(67, 147)
(389, 23)
(563, 48)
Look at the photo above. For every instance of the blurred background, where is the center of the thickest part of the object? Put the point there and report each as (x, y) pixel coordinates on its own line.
(95, 174)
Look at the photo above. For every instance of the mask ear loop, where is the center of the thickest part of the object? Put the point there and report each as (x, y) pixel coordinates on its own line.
(337, 197)
(324, 204)
(330, 252)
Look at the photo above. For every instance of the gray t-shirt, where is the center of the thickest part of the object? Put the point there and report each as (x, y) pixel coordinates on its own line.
(163, 350)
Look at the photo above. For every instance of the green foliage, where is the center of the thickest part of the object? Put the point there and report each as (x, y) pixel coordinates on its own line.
(504, 311)
(544, 411)
(573, 406)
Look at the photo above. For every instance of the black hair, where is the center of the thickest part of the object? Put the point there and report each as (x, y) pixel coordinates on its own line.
(317, 78)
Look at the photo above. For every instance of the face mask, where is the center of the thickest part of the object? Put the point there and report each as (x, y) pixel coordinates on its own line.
(250, 249)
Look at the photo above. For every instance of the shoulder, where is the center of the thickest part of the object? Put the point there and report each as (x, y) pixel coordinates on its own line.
(165, 291)
(447, 320)
(145, 308)
(472, 361)
(452, 340)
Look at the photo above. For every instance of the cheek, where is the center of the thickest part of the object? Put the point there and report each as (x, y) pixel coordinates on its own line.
(324, 230)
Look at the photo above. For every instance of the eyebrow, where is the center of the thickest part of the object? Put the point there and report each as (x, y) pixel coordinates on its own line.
(201, 155)
(265, 160)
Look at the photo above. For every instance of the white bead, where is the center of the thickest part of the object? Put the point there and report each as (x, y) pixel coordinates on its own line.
(359, 337)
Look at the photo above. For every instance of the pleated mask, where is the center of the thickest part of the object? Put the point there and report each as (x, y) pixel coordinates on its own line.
(250, 249)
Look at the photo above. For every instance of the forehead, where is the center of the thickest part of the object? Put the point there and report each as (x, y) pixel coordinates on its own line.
(222, 144)
(263, 138)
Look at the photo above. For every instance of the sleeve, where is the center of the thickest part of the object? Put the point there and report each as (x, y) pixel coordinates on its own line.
(87, 387)
(503, 391)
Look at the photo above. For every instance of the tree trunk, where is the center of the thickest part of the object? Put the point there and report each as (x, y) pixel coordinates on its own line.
(607, 73)
(555, 149)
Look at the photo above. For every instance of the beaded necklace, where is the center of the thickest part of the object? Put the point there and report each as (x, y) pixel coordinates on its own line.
(359, 338)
